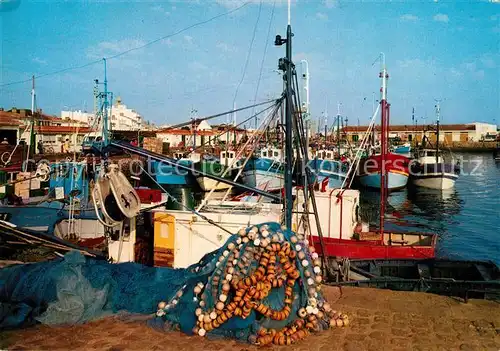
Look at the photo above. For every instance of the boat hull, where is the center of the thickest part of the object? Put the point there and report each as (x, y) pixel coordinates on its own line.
(267, 180)
(333, 170)
(434, 175)
(373, 249)
(264, 173)
(402, 149)
(395, 180)
(397, 171)
(208, 184)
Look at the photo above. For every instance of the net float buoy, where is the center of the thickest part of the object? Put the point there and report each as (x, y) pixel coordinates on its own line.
(317, 270)
(219, 305)
(162, 305)
(230, 247)
(301, 255)
(264, 233)
(275, 238)
(309, 309)
(318, 279)
(197, 289)
(305, 263)
(198, 312)
(294, 239)
(315, 255)
(223, 297)
(201, 317)
(230, 270)
(315, 310)
(310, 281)
(302, 313)
(339, 322)
(229, 277)
(245, 240)
(327, 307)
(225, 253)
(206, 318)
(251, 235)
(213, 315)
(307, 273)
(238, 241)
(298, 247)
(242, 232)
(202, 332)
(317, 262)
(202, 303)
(256, 242)
(174, 302)
(179, 293)
(264, 243)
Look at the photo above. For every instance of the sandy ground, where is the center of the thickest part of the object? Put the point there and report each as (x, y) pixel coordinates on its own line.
(380, 320)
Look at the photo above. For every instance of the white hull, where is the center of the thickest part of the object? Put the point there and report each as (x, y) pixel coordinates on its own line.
(436, 181)
(207, 184)
(267, 180)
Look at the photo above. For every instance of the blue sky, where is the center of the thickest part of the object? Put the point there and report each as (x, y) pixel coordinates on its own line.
(445, 50)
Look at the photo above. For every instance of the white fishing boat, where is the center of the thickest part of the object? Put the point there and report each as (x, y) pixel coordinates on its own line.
(429, 170)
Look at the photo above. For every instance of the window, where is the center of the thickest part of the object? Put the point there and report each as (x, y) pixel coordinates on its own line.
(276, 154)
(355, 137)
(264, 153)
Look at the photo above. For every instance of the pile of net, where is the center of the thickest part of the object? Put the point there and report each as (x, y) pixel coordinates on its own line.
(262, 286)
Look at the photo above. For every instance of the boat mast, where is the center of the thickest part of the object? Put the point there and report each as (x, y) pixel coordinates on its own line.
(383, 144)
(438, 112)
(338, 129)
(286, 65)
(306, 117)
(31, 143)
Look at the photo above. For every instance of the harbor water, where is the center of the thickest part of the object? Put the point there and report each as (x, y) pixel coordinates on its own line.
(466, 218)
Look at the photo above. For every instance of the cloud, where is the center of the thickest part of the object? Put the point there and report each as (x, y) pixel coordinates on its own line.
(330, 3)
(160, 9)
(322, 16)
(408, 18)
(488, 60)
(109, 48)
(231, 4)
(474, 72)
(441, 17)
(168, 42)
(225, 47)
(39, 61)
(188, 39)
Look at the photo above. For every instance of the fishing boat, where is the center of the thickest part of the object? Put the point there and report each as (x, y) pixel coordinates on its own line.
(222, 167)
(369, 175)
(325, 166)
(466, 279)
(265, 171)
(402, 149)
(394, 166)
(429, 169)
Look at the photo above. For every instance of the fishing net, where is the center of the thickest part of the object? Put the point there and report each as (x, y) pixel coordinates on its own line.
(262, 286)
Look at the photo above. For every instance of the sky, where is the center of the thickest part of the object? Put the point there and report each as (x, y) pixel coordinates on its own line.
(433, 50)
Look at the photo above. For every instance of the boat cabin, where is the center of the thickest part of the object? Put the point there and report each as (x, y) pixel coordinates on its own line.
(227, 158)
(428, 156)
(325, 154)
(272, 153)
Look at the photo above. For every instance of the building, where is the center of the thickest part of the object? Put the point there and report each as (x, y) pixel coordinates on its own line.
(124, 118)
(471, 132)
(78, 115)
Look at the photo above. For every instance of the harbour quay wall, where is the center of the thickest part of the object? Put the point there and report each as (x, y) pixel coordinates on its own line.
(471, 146)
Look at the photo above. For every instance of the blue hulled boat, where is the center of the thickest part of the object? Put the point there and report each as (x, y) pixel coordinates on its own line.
(324, 166)
(265, 172)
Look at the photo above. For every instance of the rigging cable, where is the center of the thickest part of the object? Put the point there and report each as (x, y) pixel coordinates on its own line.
(131, 49)
(263, 58)
(248, 53)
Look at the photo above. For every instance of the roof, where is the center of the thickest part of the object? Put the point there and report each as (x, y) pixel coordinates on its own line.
(184, 132)
(61, 130)
(412, 128)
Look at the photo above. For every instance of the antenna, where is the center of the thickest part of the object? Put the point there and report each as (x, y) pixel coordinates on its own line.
(289, 12)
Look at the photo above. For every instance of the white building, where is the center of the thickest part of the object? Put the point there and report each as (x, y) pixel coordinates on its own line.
(124, 118)
(483, 131)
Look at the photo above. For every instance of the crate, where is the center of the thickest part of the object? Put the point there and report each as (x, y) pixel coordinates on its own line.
(148, 196)
(153, 145)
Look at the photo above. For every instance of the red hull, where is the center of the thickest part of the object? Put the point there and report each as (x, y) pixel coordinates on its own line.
(364, 249)
(393, 163)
